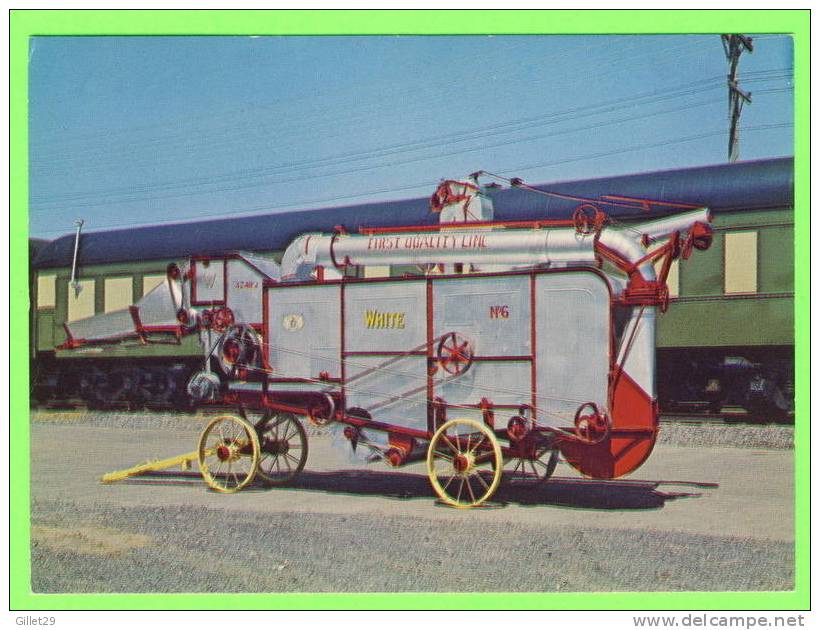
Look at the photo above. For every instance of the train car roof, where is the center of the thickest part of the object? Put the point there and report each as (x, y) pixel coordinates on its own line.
(724, 187)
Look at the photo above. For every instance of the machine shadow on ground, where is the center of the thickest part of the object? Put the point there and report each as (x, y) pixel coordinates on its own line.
(559, 491)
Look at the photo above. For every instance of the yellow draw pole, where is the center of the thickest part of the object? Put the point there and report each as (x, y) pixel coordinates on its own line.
(180, 460)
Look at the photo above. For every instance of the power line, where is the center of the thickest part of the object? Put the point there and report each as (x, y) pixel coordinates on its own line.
(255, 132)
(256, 184)
(496, 128)
(132, 195)
(645, 146)
(506, 127)
(525, 73)
(515, 169)
(389, 150)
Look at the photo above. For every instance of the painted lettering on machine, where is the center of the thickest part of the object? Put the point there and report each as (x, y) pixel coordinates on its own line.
(245, 284)
(428, 242)
(374, 319)
(499, 311)
(208, 280)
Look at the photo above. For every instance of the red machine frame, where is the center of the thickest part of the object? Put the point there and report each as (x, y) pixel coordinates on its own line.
(600, 442)
(588, 452)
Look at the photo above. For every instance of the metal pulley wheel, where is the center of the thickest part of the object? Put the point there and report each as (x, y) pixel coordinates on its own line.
(464, 463)
(322, 411)
(222, 319)
(591, 425)
(228, 453)
(240, 345)
(203, 385)
(455, 354)
(588, 219)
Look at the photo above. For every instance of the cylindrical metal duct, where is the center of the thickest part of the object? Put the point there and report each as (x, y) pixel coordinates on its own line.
(624, 246)
(679, 223)
(561, 246)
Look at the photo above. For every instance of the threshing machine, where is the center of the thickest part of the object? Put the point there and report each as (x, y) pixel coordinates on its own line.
(504, 345)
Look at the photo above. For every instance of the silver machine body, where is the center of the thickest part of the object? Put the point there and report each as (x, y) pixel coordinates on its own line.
(540, 341)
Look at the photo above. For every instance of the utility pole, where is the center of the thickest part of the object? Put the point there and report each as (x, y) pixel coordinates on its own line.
(733, 46)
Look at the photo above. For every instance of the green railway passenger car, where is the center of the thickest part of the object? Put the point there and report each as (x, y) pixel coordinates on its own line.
(726, 346)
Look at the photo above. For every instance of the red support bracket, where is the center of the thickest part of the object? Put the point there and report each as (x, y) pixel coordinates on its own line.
(487, 412)
(138, 327)
(70, 343)
(439, 412)
(700, 238)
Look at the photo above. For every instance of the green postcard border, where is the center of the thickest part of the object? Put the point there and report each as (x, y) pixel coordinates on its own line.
(26, 23)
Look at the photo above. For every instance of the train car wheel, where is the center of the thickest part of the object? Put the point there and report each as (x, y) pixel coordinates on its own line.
(228, 453)
(283, 448)
(464, 463)
(159, 386)
(119, 388)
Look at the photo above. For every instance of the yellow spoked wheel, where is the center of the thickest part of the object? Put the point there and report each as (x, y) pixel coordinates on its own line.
(228, 453)
(283, 448)
(464, 463)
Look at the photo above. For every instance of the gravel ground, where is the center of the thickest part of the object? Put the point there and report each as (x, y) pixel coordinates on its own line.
(728, 435)
(135, 419)
(340, 527)
(674, 433)
(77, 548)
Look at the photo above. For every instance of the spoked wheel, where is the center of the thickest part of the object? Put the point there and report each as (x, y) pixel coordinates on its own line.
(533, 461)
(283, 447)
(228, 453)
(455, 354)
(464, 463)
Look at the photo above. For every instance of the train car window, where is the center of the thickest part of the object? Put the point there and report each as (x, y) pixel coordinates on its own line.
(377, 271)
(81, 305)
(46, 290)
(119, 293)
(152, 281)
(673, 279)
(740, 260)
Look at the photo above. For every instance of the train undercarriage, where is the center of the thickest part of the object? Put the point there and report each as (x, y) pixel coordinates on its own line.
(130, 384)
(754, 384)
(745, 384)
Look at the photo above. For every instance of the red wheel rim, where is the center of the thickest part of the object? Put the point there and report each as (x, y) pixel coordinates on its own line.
(455, 354)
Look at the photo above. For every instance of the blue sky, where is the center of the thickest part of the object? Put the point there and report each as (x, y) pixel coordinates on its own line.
(143, 130)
